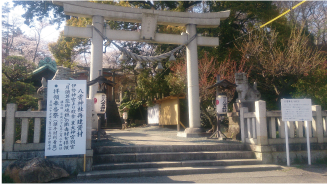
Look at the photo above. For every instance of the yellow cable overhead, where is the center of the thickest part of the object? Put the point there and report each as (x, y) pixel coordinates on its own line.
(282, 14)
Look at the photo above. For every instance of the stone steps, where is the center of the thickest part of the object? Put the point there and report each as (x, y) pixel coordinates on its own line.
(113, 118)
(134, 161)
(171, 156)
(168, 148)
(186, 163)
(168, 171)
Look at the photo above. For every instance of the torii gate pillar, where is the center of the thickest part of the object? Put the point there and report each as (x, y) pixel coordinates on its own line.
(193, 81)
(96, 53)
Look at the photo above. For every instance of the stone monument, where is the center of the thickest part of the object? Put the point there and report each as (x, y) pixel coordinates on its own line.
(247, 94)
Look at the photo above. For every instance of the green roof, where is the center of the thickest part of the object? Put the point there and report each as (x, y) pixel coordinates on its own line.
(47, 63)
(38, 70)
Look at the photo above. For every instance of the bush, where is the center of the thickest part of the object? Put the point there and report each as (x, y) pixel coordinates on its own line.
(136, 109)
(6, 179)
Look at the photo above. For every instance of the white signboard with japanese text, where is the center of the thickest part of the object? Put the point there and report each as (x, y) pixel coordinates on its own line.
(296, 110)
(66, 118)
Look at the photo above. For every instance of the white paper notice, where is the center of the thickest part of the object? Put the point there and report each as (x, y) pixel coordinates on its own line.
(296, 110)
(66, 118)
(221, 104)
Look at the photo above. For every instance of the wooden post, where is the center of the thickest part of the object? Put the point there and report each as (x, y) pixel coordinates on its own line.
(113, 87)
(178, 127)
(218, 126)
(84, 162)
(89, 107)
(178, 116)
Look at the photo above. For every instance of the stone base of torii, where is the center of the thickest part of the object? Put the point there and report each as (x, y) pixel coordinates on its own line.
(149, 19)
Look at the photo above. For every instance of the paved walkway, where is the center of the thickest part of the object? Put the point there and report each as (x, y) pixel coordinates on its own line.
(152, 135)
(294, 174)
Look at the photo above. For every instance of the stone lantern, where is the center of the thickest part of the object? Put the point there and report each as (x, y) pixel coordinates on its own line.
(125, 117)
(42, 95)
(221, 102)
(102, 83)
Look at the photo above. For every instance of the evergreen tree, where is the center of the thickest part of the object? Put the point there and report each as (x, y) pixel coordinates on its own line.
(15, 70)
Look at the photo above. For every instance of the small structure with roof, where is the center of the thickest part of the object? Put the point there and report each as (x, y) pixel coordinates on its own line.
(46, 68)
(165, 112)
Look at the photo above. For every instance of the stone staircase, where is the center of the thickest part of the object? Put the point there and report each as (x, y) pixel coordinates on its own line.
(113, 118)
(135, 161)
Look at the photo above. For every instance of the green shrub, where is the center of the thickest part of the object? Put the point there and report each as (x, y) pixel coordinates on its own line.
(321, 160)
(6, 179)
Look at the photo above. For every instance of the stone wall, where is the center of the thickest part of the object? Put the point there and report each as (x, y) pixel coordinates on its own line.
(276, 154)
(71, 163)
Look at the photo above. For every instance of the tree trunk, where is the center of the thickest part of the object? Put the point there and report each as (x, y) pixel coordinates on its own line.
(213, 123)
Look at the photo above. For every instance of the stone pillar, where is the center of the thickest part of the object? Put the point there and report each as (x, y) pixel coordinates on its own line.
(96, 53)
(10, 127)
(319, 126)
(37, 130)
(242, 123)
(192, 81)
(261, 119)
(24, 131)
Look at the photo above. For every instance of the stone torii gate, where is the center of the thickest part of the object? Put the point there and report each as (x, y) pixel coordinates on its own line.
(149, 19)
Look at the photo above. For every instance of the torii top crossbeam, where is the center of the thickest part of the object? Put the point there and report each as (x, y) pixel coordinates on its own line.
(127, 14)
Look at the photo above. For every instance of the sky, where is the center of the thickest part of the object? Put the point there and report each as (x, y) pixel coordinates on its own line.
(49, 34)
